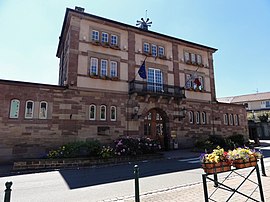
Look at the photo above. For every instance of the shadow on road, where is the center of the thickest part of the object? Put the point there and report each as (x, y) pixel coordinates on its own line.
(95, 176)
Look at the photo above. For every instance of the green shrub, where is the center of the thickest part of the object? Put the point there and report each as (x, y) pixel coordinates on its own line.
(76, 149)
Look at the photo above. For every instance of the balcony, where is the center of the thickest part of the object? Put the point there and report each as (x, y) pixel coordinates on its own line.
(156, 90)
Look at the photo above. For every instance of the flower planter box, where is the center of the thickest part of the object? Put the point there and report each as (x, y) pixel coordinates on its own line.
(241, 163)
(211, 168)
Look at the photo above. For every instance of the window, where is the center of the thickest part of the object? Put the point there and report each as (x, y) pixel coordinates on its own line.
(14, 109)
(267, 104)
(29, 109)
(113, 69)
(199, 59)
(146, 47)
(103, 112)
(161, 51)
(191, 117)
(103, 68)
(200, 87)
(154, 50)
(236, 119)
(95, 35)
(43, 110)
(186, 56)
(231, 119)
(113, 113)
(193, 58)
(104, 37)
(189, 81)
(94, 66)
(203, 118)
(226, 122)
(114, 40)
(92, 112)
(198, 117)
(154, 80)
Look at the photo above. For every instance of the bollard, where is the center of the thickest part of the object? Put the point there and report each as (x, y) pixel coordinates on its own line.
(137, 193)
(7, 192)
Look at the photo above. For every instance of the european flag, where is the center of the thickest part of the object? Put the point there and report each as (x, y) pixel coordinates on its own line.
(142, 71)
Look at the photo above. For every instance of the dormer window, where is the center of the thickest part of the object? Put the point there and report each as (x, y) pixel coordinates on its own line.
(95, 35)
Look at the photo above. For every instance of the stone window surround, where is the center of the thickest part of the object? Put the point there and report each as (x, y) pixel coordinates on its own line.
(100, 31)
(150, 47)
(192, 52)
(163, 68)
(190, 73)
(111, 108)
(31, 114)
(107, 57)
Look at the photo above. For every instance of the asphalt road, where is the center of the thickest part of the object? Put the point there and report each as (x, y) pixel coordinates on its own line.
(96, 184)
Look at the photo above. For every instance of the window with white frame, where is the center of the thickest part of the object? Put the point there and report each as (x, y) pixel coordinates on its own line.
(146, 48)
(95, 35)
(114, 40)
(102, 112)
(193, 58)
(14, 109)
(94, 66)
(161, 51)
(231, 119)
(191, 116)
(43, 110)
(154, 80)
(154, 50)
(197, 117)
(92, 112)
(113, 113)
(203, 118)
(236, 119)
(199, 59)
(103, 67)
(267, 104)
(186, 57)
(226, 122)
(201, 80)
(189, 81)
(113, 69)
(104, 37)
(29, 109)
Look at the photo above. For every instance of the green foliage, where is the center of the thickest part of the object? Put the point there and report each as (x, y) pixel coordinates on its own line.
(106, 152)
(227, 143)
(76, 149)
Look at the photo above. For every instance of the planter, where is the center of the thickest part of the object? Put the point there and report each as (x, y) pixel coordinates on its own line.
(211, 168)
(241, 163)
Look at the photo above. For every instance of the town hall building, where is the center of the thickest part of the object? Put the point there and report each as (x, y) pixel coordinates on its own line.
(102, 96)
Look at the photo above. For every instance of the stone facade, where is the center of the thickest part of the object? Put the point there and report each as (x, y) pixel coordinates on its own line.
(142, 108)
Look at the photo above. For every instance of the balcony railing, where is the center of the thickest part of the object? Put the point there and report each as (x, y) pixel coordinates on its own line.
(156, 89)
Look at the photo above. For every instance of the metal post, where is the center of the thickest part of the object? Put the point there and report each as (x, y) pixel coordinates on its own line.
(262, 165)
(137, 193)
(215, 180)
(205, 188)
(259, 182)
(7, 192)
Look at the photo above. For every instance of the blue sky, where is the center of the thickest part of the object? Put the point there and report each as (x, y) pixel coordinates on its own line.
(238, 29)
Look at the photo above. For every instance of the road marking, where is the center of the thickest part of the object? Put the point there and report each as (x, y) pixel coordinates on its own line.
(190, 159)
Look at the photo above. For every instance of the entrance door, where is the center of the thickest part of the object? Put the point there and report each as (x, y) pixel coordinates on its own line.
(154, 126)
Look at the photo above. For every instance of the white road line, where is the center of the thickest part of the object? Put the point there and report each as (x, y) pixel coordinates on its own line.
(190, 159)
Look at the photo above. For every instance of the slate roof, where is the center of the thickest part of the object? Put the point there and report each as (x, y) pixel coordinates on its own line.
(245, 98)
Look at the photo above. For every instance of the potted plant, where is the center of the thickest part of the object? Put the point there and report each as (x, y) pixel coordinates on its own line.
(93, 75)
(244, 157)
(215, 162)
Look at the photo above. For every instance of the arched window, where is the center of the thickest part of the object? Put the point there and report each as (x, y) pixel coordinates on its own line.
(203, 118)
(236, 119)
(103, 112)
(92, 112)
(191, 117)
(14, 109)
(29, 109)
(197, 117)
(113, 113)
(43, 110)
(226, 122)
(231, 119)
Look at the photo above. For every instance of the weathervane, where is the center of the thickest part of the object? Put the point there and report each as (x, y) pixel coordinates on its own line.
(144, 24)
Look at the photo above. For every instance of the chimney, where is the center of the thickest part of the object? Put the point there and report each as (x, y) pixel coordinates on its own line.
(80, 9)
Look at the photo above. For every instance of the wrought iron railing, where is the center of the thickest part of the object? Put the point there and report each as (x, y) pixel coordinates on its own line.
(155, 89)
